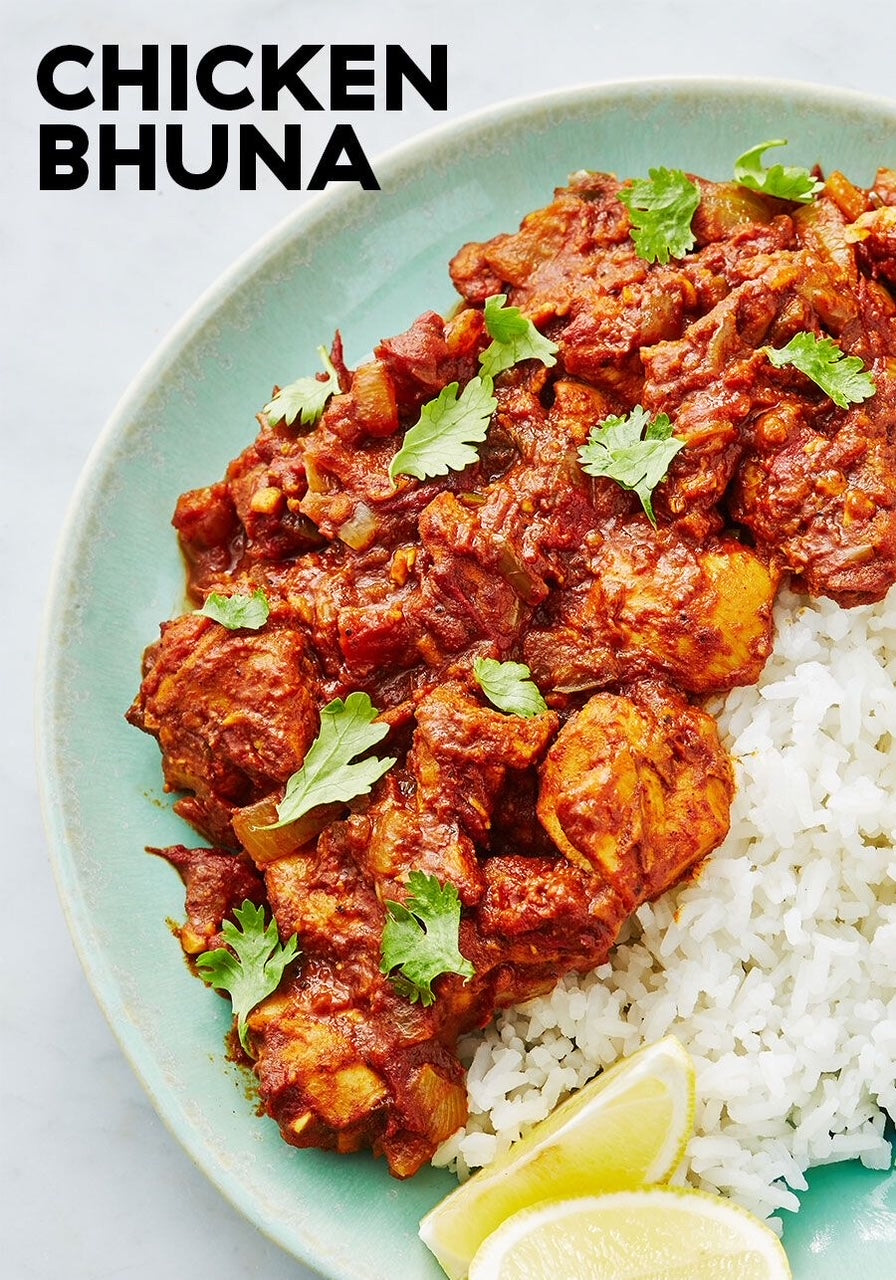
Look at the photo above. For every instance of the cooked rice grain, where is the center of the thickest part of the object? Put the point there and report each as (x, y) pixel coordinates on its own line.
(776, 967)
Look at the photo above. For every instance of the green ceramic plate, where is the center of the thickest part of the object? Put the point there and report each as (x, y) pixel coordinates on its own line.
(368, 263)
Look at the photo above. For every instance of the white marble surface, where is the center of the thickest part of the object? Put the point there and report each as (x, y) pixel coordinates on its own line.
(93, 1185)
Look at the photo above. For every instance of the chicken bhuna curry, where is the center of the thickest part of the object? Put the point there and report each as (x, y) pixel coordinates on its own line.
(499, 567)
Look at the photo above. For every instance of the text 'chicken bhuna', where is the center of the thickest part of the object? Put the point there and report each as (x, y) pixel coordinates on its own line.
(439, 709)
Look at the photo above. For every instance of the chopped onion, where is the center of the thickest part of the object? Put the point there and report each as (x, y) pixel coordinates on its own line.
(265, 843)
(360, 530)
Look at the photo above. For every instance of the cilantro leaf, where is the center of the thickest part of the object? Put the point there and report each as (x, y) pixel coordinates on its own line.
(788, 182)
(256, 968)
(443, 438)
(509, 687)
(305, 399)
(514, 338)
(420, 937)
(617, 450)
(661, 208)
(238, 611)
(840, 376)
(327, 774)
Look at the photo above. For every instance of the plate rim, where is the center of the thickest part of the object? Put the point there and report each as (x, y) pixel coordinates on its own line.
(394, 164)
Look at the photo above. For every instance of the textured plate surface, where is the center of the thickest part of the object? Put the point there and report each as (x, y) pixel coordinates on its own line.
(367, 263)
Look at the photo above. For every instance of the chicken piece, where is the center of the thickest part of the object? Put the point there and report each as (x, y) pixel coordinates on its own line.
(343, 1078)
(216, 882)
(429, 355)
(651, 602)
(461, 601)
(583, 231)
(710, 381)
(350, 609)
(540, 917)
(820, 487)
(210, 534)
(491, 555)
(234, 713)
(638, 788)
(267, 483)
(523, 524)
(437, 816)
(343, 1059)
(702, 617)
(603, 340)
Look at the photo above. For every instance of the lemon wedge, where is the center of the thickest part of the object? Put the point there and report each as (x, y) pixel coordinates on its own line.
(656, 1233)
(627, 1128)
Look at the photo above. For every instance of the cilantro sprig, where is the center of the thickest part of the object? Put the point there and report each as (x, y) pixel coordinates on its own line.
(842, 377)
(253, 968)
(509, 687)
(514, 338)
(634, 451)
(661, 208)
(237, 611)
(420, 937)
(452, 426)
(327, 775)
(304, 399)
(449, 426)
(787, 182)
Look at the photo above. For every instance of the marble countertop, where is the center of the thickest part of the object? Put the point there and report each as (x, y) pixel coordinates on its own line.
(94, 1186)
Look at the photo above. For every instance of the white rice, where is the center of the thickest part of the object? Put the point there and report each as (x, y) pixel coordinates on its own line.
(776, 968)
